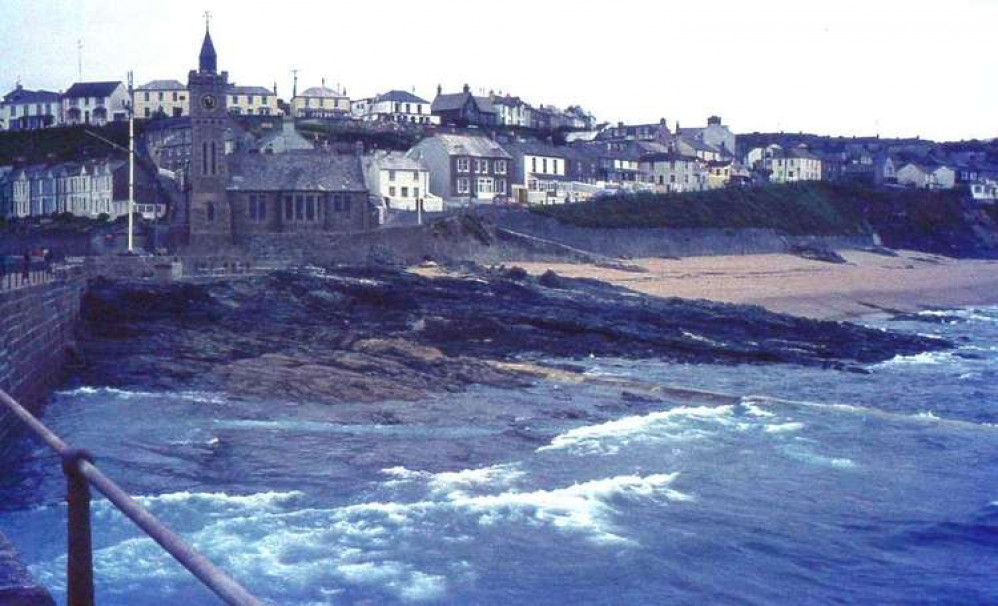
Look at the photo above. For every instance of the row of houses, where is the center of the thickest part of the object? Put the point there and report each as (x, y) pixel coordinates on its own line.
(100, 102)
(85, 189)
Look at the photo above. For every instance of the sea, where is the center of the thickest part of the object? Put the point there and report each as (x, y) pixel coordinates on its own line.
(817, 486)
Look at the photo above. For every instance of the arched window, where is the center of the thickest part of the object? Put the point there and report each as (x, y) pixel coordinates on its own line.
(214, 167)
(204, 158)
(211, 212)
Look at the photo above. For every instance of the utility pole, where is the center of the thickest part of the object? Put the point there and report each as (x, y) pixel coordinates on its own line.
(294, 88)
(131, 162)
(79, 59)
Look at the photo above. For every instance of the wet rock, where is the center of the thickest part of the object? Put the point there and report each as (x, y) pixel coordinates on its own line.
(380, 334)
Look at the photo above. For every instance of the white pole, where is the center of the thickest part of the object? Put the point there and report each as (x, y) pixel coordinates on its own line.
(131, 176)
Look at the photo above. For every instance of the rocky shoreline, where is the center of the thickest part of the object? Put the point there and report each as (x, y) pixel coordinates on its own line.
(373, 334)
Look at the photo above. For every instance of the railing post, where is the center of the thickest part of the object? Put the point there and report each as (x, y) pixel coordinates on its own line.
(79, 561)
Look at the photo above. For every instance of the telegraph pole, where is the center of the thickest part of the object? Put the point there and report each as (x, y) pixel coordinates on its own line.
(131, 162)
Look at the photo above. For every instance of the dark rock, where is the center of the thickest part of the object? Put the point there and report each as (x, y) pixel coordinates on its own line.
(816, 253)
(374, 334)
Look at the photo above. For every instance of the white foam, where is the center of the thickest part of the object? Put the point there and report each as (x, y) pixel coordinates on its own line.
(784, 427)
(926, 357)
(607, 438)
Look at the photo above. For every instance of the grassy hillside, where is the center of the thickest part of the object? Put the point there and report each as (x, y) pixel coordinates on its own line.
(798, 209)
(62, 144)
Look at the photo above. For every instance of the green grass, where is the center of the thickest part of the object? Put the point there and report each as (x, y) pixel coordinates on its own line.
(64, 144)
(796, 209)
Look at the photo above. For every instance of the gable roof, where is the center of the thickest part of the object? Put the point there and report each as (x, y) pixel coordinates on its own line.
(320, 91)
(162, 85)
(469, 145)
(92, 89)
(249, 90)
(537, 148)
(298, 170)
(456, 101)
(23, 95)
(400, 96)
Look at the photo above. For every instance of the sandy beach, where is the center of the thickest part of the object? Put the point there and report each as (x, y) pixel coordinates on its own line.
(911, 281)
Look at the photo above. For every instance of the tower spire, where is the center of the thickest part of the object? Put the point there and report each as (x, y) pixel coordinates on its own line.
(208, 61)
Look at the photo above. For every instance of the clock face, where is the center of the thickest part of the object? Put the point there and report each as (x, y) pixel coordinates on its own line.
(208, 102)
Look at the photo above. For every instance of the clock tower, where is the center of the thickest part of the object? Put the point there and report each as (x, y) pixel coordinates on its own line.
(209, 217)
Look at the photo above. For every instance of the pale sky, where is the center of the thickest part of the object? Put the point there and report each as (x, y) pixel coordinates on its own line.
(897, 68)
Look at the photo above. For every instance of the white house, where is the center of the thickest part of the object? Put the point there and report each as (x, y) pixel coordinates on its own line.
(252, 101)
(926, 177)
(673, 173)
(401, 182)
(792, 165)
(95, 103)
(23, 109)
(396, 106)
(166, 98)
(321, 102)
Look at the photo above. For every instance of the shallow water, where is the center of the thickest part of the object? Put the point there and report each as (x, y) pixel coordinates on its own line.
(884, 489)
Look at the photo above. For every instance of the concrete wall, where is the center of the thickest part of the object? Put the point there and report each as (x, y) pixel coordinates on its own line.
(664, 242)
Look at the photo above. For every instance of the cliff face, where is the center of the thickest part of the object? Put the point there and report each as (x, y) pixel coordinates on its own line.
(374, 334)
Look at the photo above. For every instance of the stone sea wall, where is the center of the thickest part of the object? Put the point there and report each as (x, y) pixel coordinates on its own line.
(37, 323)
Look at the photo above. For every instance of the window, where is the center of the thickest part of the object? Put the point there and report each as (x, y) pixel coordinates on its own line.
(533, 165)
(484, 185)
(211, 212)
(481, 166)
(501, 186)
(146, 96)
(415, 192)
(147, 112)
(161, 95)
(391, 175)
(288, 209)
(175, 96)
(235, 99)
(299, 208)
(463, 186)
(204, 158)
(257, 208)
(415, 175)
(310, 208)
(391, 191)
(214, 159)
(341, 202)
(544, 165)
(463, 165)
(249, 100)
(405, 192)
(500, 167)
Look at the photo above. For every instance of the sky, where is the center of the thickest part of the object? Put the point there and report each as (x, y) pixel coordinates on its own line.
(843, 67)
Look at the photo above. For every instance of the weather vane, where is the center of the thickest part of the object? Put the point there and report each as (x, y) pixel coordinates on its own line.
(207, 19)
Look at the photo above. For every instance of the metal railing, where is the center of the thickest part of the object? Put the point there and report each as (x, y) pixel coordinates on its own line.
(15, 276)
(81, 473)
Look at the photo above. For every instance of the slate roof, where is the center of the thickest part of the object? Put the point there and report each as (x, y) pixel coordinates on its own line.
(92, 89)
(455, 101)
(320, 91)
(668, 157)
(23, 95)
(397, 161)
(162, 85)
(249, 90)
(537, 148)
(299, 170)
(467, 145)
(400, 96)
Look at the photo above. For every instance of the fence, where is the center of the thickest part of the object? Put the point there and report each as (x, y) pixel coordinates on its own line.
(81, 473)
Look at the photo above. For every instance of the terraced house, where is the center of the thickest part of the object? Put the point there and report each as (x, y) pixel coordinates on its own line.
(465, 169)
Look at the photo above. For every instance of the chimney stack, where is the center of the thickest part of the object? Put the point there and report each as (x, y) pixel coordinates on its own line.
(467, 88)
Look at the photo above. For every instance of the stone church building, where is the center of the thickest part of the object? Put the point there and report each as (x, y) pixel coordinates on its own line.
(234, 197)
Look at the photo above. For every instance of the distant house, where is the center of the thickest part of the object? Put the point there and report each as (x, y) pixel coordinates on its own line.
(926, 176)
(637, 132)
(464, 109)
(465, 168)
(510, 111)
(542, 173)
(252, 101)
(401, 182)
(790, 165)
(672, 172)
(397, 106)
(685, 145)
(616, 164)
(715, 134)
(23, 109)
(95, 103)
(321, 102)
(161, 98)
(283, 139)
(579, 119)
